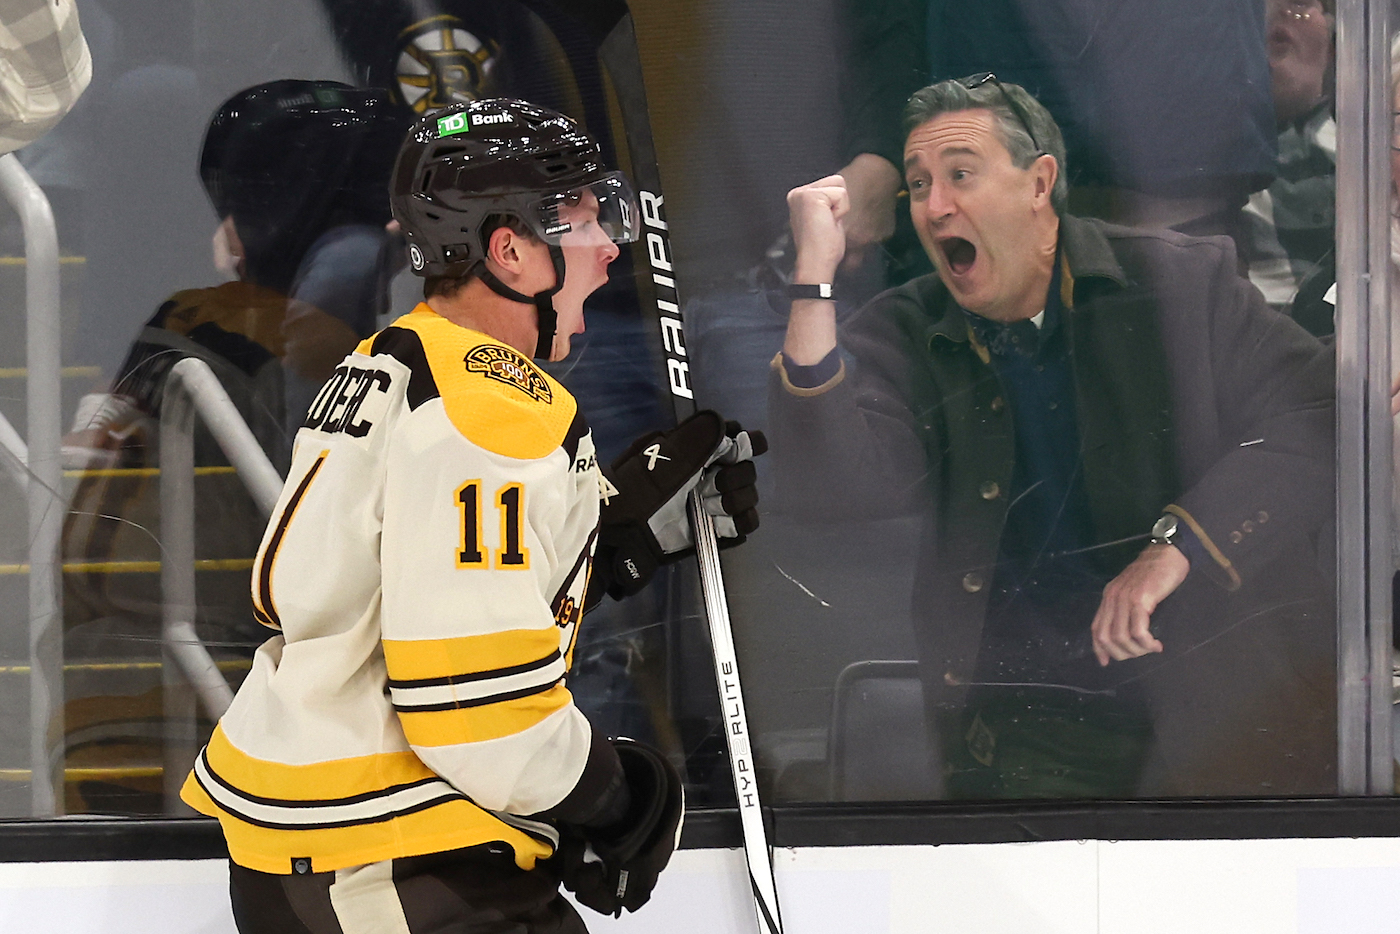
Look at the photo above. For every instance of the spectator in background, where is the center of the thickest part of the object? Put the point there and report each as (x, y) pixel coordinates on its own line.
(44, 67)
(1289, 227)
(298, 173)
(1058, 393)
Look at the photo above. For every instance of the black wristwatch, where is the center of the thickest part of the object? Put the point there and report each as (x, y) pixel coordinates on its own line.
(1164, 530)
(820, 290)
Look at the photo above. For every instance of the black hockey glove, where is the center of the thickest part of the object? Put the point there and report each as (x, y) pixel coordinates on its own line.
(615, 867)
(644, 522)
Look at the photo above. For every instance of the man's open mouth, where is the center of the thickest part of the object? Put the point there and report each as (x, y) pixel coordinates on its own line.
(959, 253)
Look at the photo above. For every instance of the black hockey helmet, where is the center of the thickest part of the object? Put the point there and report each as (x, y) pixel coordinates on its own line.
(470, 161)
(289, 159)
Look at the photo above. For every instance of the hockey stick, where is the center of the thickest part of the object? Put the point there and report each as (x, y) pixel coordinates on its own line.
(736, 725)
(618, 52)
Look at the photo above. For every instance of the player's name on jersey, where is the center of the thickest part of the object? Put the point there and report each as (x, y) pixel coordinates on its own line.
(337, 406)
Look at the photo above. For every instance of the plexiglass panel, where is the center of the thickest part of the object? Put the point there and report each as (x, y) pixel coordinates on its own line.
(220, 193)
(1078, 305)
(956, 575)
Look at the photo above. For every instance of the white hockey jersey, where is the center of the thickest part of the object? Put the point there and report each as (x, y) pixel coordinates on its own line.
(426, 566)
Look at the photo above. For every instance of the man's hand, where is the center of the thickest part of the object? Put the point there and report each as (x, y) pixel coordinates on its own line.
(815, 212)
(1121, 625)
(873, 186)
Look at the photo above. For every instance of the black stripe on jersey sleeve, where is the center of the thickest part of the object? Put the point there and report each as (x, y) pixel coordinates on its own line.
(577, 429)
(264, 619)
(537, 664)
(584, 555)
(476, 701)
(406, 347)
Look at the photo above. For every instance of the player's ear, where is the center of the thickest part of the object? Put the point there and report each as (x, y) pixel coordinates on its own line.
(502, 248)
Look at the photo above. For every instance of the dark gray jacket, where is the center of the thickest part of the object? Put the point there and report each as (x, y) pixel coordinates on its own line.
(1192, 396)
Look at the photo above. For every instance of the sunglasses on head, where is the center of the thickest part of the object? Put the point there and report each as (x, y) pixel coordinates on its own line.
(972, 82)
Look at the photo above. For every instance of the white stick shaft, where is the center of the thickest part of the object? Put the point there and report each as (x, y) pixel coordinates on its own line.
(736, 722)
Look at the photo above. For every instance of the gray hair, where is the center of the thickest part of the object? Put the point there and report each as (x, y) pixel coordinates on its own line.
(951, 97)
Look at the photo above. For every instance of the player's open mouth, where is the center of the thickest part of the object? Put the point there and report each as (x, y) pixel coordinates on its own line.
(959, 253)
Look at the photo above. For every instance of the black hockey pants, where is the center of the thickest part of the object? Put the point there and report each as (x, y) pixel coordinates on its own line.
(478, 890)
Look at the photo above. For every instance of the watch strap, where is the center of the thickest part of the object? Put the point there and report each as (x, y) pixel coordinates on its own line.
(820, 290)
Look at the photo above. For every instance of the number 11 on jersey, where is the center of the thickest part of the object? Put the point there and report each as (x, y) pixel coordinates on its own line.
(471, 552)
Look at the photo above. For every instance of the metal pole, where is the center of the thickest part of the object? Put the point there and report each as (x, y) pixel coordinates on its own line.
(1380, 459)
(192, 387)
(43, 340)
(15, 454)
(176, 583)
(1353, 297)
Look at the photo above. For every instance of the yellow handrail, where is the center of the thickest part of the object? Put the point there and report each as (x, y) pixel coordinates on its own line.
(135, 567)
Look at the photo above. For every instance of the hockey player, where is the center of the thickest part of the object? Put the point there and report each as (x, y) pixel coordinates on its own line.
(405, 755)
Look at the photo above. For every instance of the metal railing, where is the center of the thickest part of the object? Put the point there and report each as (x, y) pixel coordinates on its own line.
(192, 388)
(188, 670)
(39, 468)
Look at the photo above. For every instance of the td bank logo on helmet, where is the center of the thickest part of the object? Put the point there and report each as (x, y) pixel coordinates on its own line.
(458, 122)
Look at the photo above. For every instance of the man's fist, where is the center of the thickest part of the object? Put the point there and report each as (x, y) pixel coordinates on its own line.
(816, 213)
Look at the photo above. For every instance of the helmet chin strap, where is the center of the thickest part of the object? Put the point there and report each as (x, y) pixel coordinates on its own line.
(546, 319)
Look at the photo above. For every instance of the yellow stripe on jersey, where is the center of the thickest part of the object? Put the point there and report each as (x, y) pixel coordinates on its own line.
(492, 394)
(340, 778)
(423, 659)
(478, 724)
(447, 826)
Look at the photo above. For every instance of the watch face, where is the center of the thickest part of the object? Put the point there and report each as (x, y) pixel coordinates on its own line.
(1164, 528)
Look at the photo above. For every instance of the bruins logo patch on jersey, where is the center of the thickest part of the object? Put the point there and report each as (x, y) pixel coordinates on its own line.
(507, 366)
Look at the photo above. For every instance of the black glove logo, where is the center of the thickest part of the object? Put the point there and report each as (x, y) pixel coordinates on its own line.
(653, 454)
